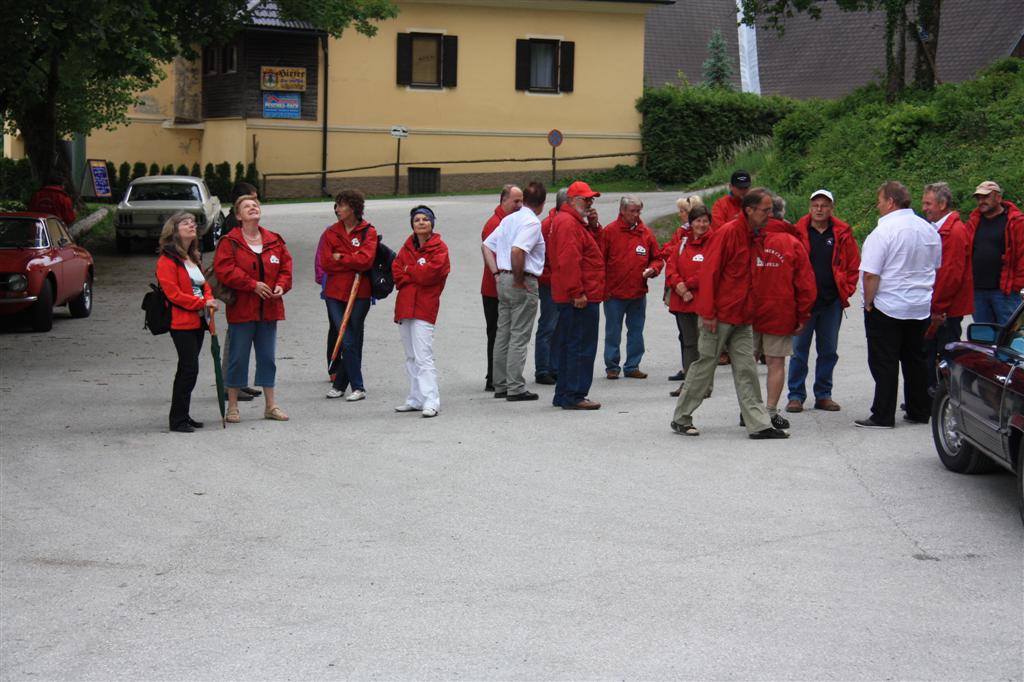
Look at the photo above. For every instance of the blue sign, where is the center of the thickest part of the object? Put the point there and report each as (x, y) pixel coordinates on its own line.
(555, 137)
(100, 179)
(282, 105)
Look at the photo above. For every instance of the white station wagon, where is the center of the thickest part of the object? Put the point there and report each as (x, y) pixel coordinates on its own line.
(151, 200)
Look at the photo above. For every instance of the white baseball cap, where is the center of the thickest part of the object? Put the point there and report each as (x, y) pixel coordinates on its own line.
(823, 193)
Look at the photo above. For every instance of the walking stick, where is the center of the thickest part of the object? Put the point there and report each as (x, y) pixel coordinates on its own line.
(344, 323)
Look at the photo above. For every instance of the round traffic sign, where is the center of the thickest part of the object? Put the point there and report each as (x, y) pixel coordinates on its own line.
(555, 137)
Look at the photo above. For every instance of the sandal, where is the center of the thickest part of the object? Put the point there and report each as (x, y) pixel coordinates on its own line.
(232, 416)
(275, 413)
(685, 429)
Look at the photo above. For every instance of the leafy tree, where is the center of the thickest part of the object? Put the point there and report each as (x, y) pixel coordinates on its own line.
(717, 68)
(77, 65)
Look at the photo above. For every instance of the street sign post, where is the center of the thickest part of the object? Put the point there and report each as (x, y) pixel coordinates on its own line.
(398, 132)
(555, 138)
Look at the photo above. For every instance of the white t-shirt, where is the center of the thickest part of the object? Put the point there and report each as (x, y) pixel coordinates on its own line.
(904, 250)
(522, 230)
(195, 273)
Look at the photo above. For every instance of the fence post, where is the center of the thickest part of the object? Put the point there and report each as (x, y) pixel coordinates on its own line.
(554, 165)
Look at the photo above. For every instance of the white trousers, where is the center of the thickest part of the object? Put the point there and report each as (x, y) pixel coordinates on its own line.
(418, 341)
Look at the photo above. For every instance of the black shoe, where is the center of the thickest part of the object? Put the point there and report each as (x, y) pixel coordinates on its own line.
(525, 395)
(915, 420)
(243, 397)
(254, 392)
(193, 423)
(769, 434)
(780, 422)
(742, 423)
(183, 427)
(489, 387)
(500, 394)
(678, 376)
(870, 423)
(546, 379)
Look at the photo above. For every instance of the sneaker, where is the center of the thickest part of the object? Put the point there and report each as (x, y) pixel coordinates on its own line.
(769, 434)
(407, 408)
(870, 423)
(334, 393)
(429, 412)
(780, 422)
(355, 395)
(685, 429)
(518, 397)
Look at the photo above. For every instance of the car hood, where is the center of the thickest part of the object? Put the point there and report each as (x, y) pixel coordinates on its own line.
(166, 206)
(17, 260)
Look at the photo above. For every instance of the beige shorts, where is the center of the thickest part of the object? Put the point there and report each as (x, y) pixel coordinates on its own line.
(773, 346)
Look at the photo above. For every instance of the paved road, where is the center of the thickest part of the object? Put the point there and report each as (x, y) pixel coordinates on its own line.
(500, 540)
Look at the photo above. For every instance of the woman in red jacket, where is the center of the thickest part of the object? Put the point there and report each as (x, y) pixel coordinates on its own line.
(682, 269)
(420, 270)
(348, 247)
(179, 270)
(255, 263)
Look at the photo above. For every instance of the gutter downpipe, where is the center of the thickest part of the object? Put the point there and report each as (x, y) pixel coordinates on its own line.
(323, 152)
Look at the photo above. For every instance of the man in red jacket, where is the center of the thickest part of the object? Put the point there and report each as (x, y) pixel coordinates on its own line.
(631, 257)
(835, 262)
(728, 208)
(996, 231)
(725, 306)
(577, 288)
(510, 201)
(545, 348)
(953, 295)
(52, 199)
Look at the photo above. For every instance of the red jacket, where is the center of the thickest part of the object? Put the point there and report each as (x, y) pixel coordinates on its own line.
(783, 283)
(54, 200)
(420, 274)
(627, 253)
(177, 286)
(577, 266)
(671, 247)
(954, 280)
(725, 277)
(357, 253)
(489, 284)
(1012, 278)
(240, 268)
(726, 209)
(845, 255)
(545, 231)
(683, 266)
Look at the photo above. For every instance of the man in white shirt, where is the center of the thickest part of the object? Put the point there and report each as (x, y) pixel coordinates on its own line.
(514, 253)
(898, 264)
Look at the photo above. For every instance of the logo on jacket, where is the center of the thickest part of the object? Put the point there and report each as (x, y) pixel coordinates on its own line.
(829, 242)
(422, 261)
(275, 259)
(640, 250)
(760, 263)
(355, 242)
(699, 258)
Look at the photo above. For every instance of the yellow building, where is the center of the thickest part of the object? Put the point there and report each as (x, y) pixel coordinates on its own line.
(468, 80)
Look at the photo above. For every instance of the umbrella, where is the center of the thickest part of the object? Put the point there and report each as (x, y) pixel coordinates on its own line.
(218, 371)
(335, 354)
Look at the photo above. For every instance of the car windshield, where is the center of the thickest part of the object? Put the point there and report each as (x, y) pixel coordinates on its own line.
(21, 233)
(164, 191)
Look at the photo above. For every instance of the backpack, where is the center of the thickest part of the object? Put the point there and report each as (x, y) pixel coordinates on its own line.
(382, 280)
(158, 311)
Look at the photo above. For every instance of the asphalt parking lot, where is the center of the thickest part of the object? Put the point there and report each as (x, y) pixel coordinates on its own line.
(497, 541)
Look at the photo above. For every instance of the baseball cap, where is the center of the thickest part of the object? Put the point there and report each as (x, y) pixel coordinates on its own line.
(987, 187)
(823, 193)
(582, 189)
(740, 178)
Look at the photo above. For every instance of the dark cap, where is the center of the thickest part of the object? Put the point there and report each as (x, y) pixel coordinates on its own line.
(740, 178)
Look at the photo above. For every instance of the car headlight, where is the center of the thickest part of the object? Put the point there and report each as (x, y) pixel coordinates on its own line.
(17, 282)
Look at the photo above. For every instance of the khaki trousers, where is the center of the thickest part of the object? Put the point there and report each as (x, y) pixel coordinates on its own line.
(517, 309)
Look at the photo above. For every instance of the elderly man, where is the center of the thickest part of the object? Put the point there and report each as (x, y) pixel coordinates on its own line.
(726, 309)
(631, 257)
(514, 254)
(996, 231)
(953, 294)
(898, 263)
(729, 207)
(835, 262)
(510, 201)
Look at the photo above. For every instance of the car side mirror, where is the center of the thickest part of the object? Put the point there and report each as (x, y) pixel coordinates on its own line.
(983, 332)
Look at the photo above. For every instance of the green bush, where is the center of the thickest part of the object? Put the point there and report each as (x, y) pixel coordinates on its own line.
(168, 169)
(904, 127)
(16, 182)
(138, 170)
(181, 170)
(124, 175)
(194, 171)
(251, 176)
(239, 172)
(154, 169)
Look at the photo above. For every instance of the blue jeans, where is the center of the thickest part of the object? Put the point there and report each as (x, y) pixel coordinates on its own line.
(244, 337)
(824, 327)
(545, 350)
(992, 305)
(635, 312)
(578, 349)
(350, 369)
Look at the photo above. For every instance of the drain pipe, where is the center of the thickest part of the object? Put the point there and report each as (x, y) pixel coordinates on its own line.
(327, 79)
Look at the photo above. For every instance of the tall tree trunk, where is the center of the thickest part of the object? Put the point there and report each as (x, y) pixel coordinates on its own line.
(926, 55)
(895, 48)
(37, 122)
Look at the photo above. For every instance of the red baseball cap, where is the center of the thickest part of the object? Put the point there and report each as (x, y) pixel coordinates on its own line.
(582, 189)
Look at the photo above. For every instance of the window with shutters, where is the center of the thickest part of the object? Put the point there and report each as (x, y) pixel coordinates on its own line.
(210, 60)
(545, 65)
(427, 60)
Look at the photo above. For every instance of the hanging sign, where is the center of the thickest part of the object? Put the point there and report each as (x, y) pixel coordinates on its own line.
(285, 78)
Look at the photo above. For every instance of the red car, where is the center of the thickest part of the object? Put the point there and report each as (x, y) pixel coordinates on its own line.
(42, 267)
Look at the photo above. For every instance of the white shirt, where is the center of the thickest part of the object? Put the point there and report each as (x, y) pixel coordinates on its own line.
(904, 250)
(522, 230)
(942, 220)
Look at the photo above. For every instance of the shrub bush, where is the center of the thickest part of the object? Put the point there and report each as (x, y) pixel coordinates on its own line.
(138, 170)
(222, 180)
(124, 175)
(16, 182)
(194, 171)
(251, 176)
(181, 170)
(154, 169)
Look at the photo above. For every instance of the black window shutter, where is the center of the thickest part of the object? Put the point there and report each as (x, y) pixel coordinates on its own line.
(404, 61)
(450, 62)
(522, 65)
(566, 67)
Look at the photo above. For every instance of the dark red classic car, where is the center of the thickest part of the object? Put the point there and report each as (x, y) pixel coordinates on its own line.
(42, 267)
(978, 412)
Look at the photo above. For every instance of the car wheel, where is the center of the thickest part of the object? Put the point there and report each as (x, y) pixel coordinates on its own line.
(124, 244)
(956, 453)
(81, 306)
(42, 309)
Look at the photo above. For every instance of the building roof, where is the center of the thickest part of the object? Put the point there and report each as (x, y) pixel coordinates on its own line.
(267, 14)
(677, 40)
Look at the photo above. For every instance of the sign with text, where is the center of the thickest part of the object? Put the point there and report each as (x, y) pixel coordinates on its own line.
(283, 78)
(282, 105)
(400, 132)
(100, 180)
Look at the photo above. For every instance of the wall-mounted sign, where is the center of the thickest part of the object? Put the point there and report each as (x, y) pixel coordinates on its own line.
(282, 105)
(97, 182)
(283, 78)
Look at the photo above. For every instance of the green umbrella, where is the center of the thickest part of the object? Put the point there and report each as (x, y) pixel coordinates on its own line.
(218, 372)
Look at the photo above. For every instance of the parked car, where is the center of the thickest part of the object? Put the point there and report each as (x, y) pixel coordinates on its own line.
(42, 267)
(978, 411)
(150, 201)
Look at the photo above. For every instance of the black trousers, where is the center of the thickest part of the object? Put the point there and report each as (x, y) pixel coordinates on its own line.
(894, 344)
(332, 338)
(188, 343)
(491, 317)
(935, 347)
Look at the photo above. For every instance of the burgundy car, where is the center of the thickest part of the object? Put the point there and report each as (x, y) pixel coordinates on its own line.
(42, 267)
(978, 412)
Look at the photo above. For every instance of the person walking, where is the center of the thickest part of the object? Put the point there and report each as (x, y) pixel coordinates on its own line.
(420, 270)
(256, 264)
(682, 274)
(730, 206)
(509, 201)
(179, 271)
(545, 345)
(996, 231)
